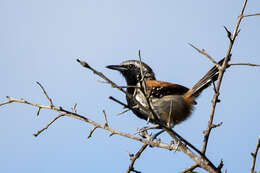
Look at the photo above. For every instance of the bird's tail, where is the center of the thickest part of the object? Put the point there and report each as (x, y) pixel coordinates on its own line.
(205, 81)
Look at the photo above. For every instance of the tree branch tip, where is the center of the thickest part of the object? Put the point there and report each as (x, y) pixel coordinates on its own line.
(38, 112)
(249, 15)
(228, 33)
(83, 63)
(111, 134)
(74, 108)
(220, 166)
(92, 131)
(105, 117)
(139, 52)
(238, 31)
(131, 155)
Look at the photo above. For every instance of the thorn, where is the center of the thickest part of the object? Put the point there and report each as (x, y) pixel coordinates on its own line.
(38, 112)
(228, 34)
(83, 63)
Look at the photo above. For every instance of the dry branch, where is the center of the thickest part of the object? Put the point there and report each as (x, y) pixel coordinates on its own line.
(45, 93)
(254, 155)
(67, 113)
(135, 157)
(203, 52)
(220, 77)
(47, 126)
(246, 64)
(203, 161)
(250, 15)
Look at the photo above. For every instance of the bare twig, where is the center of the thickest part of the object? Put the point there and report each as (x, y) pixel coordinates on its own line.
(214, 86)
(220, 165)
(203, 163)
(249, 15)
(117, 101)
(38, 112)
(105, 117)
(142, 73)
(135, 157)
(144, 91)
(74, 108)
(64, 112)
(216, 125)
(228, 33)
(48, 125)
(147, 128)
(203, 52)
(190, 168)
(86, 65)
(92, 131)
(123, 111)
(45, 93)
(220, 77)
(246, 64)
(5, 103)
(254, 155)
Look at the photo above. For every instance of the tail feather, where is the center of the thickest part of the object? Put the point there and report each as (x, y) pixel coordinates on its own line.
(206, 80)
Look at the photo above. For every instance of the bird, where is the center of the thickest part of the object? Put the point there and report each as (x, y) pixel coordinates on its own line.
(170, 103)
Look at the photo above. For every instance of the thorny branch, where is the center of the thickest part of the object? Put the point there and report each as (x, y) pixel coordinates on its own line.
(219, 81)
(222, 69)
(199, 161)
(135, 157)
(47, 126)
(246, 64)
(203, 52)
(203, 161)
(254, 154)
(45, 93)
(175, 136)
(67, 113)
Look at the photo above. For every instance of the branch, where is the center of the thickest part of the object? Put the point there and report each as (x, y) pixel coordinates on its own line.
(220, 77)
(105, 117)
(190, 168)
(135, 157)
(64, 112)
(92, 131)
(203, 52)
(45, 93)
(254, 155)
(249, 15)
(246, 64)
(47, 126)
(203, 163)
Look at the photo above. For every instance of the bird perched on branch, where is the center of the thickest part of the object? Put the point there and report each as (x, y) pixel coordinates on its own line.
(170, 103)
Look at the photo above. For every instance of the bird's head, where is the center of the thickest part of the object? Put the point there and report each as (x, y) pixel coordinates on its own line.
(131, 70)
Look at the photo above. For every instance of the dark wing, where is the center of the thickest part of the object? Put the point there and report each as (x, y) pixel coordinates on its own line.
(159, 89)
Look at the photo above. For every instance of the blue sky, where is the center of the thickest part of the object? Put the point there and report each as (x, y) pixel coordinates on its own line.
(40, 41)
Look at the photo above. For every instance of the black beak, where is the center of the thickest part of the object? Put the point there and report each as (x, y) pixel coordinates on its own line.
(116, 67)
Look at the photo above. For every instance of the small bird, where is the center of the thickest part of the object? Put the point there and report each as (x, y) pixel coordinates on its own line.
(171, 103)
